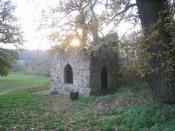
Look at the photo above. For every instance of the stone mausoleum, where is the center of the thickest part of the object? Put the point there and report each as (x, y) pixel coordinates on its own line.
(87, 70)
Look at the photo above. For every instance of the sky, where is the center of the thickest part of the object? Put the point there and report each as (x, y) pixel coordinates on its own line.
(29, 14)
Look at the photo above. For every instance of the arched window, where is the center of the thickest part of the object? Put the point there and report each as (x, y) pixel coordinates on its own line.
(68, 74)
(104, 78)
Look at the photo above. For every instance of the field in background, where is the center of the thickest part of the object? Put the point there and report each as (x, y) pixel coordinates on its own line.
(25, 106)
(14, 82)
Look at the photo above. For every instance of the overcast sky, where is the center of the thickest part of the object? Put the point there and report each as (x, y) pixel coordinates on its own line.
(29, 15)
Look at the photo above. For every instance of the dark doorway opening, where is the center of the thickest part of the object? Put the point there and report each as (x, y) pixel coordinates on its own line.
(68, 74)
(104, 78)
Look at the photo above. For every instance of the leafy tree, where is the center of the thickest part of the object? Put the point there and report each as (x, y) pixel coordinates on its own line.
(157, 20)
(159, 38)
(7, 58)
(110, 38)
(130, 49)
(9, 33)
(80, 19)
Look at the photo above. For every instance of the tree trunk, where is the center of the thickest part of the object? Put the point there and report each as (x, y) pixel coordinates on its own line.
(84, 36)
(149, 13)
(95, 30)
(95, 36)
(83, 28)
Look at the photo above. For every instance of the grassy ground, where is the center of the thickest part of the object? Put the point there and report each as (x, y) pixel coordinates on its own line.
(16, 82)
(129, 109)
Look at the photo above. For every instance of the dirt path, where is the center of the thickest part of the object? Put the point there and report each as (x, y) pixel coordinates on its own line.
(19, 88)
(45, 92)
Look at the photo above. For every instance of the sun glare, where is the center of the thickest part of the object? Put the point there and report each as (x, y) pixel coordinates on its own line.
(75, 43)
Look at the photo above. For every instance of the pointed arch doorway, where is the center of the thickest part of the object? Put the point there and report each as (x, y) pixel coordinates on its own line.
(68, 74)
(104, 78)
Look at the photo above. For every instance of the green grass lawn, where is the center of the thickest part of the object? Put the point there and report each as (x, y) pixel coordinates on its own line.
(129, 109)
(15, 82)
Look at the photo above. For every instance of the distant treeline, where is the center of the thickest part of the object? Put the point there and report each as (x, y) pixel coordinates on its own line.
(32, 62)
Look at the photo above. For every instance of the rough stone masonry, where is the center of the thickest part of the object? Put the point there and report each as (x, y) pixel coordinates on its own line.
(86, 70)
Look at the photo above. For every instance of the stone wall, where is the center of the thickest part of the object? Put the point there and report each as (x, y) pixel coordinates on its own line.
(87, 66)
(103, 57)
(80, 62)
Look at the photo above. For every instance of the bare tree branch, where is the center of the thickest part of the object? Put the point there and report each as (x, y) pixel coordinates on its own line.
(127, 7)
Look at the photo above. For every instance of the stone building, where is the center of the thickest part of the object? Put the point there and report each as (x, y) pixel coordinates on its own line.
(88, 71)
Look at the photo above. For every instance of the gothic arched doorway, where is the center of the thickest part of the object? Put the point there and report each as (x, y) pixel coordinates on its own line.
(68, 74)
(104, 78)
